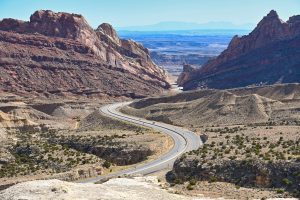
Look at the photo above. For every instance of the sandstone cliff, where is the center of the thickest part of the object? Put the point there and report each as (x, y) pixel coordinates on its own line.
(59, 53)
(269, 54)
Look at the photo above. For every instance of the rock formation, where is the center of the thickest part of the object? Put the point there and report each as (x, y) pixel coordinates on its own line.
(269, 54)
(115, 189)
(186, 71)
(59, 53)
(246, 173)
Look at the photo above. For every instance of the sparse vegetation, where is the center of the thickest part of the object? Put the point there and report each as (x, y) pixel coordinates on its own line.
(245, 150)
(106, 164)
(38, 156)
(97, 140)
(239, 146)
(189, 187)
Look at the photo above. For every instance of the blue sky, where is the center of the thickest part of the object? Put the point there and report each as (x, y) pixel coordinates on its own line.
(144, 12)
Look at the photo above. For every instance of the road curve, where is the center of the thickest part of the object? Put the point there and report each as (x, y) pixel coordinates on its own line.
(184, 140)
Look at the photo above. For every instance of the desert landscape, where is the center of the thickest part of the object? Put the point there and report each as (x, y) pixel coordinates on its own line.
(255, 129)
(88, 111)
(68, 140)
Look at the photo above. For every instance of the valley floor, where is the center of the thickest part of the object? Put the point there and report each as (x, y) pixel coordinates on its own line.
(252, 140)
(69, 140)
(263, 134)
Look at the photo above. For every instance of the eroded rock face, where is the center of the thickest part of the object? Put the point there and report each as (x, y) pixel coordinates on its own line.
(268, 55)
(63, 25)
(108, 30)
(184, 76)
(59, 53)
(139, 188)
(115, 153)
(48, 23)
(249, 173)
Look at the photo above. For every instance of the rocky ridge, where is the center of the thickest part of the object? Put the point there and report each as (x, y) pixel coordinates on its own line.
(59, 53)
(268, 55)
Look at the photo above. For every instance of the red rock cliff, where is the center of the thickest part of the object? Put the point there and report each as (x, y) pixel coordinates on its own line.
(269, 54)
(59, 53)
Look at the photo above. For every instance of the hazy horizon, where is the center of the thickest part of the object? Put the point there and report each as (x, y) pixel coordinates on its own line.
(187, 26)
(134, 13)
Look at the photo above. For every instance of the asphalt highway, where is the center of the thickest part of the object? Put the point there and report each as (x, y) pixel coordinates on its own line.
(184, 141)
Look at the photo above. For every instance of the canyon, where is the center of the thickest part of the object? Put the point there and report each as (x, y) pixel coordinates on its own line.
(63, 115)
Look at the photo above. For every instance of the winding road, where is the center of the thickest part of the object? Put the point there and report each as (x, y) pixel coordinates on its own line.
(184, 140)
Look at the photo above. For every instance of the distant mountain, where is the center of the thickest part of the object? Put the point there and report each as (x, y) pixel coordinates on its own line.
(177, 26)
(60, 54)
(269, 54)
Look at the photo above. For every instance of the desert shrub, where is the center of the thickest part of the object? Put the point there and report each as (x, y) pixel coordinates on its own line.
(189, 187)
(287, 182)
(280, 191)
(178, 181)
(212, 179)
(106, 164)
(192, 182)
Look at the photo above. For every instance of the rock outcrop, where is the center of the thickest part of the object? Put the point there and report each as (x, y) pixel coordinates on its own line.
(59, 53)
(114, 152)
(269, 54)
(115, 189)
(109, 31)
(186, 71)
(247, 173)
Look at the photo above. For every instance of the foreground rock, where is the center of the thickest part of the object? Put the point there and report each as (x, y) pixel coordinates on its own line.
(60, 54)
(268, 55)
(115, 189)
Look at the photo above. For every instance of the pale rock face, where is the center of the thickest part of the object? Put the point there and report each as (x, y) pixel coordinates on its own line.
(136, 48)
(143, 188)
(109, 31)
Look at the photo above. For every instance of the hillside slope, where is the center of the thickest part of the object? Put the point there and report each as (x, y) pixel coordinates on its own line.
(276, 103)
(59, 53)
(269, 54)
